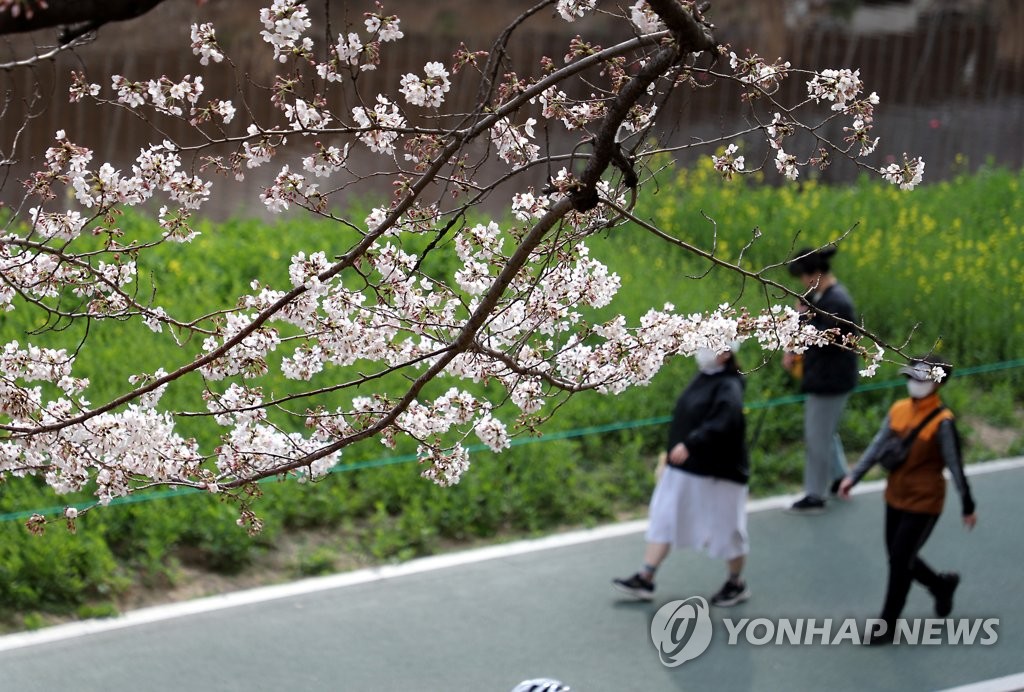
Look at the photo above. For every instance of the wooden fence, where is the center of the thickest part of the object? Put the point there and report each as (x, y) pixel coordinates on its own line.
(945, 94)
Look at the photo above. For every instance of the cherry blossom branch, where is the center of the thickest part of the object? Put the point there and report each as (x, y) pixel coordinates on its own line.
(421, 288)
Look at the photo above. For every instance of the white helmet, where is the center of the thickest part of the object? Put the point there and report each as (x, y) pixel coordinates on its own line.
(541, 685)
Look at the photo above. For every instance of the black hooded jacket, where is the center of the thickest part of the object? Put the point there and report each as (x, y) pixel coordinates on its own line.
(709, 420)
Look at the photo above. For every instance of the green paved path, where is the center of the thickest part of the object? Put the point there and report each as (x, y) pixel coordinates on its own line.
(485, 624)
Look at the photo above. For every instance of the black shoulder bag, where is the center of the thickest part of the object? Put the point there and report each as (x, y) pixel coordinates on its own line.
(894, 450)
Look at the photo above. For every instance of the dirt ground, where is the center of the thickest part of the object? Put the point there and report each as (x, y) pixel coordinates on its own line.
(278, 565)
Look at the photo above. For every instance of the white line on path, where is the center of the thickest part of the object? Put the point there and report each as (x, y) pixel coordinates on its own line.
(1010, 683)
(263, 594)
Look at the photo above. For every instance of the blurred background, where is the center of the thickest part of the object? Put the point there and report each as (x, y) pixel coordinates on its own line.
(950, 74)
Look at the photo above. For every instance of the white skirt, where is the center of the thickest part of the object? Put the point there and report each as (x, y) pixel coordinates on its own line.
(699, 512)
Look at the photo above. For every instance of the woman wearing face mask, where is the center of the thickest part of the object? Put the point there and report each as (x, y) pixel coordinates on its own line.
(915, 490)
(700, 499)
(829, 374)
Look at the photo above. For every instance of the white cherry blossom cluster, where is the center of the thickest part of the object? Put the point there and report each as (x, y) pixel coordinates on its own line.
(571, 10)
(168, 96)
(527, 205)
(288, 188)
(644, 18)
(349, 48)
(36, 364)
(385, 27)
(204, 44)
(67, 156)
(777, 130)
(131, 94)
(284, 24)
(252, 448)
(39, 275)
(138, 443)
(379, 125)
(258, 150)
(305, 116)
(757, 72)
(444, 466)
(154, 318)
(513, 142)
(428, 91)
(248, 358)
(114, 449)
(156, 169)
(151, 398)
(841, 87)
(573, 114)
(787, 164)
(81, 87)
(350, 51)
(326, 160)
(165, 96)
(875, 359)
(728, 163)
(57, 225)
(907, 175)
(455, 408)
(225, 109)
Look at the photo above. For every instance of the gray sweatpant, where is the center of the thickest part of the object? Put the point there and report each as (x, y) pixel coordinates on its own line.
(826, 460)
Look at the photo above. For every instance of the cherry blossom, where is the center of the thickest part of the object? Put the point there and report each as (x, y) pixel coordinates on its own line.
(204, 44)
(428, 91)
(728, 164)
(571, 10)
(907, 176)
(488, 317)
(284, 23)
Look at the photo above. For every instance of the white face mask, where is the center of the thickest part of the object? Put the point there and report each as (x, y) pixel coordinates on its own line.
(707, 361)
(920, 389)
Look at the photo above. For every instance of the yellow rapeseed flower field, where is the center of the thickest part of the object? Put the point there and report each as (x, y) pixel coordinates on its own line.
(940, 264)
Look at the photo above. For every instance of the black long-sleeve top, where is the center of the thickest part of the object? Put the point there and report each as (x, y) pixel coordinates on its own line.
(830, 369)
(709, 420)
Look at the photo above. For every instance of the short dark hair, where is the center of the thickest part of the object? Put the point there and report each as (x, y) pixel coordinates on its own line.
(811, 260)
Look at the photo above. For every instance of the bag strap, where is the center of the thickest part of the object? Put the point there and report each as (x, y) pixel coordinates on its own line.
(927, 419)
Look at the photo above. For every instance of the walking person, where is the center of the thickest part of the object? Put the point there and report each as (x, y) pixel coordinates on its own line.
(916, 489)
(700, 500)
(829, 374)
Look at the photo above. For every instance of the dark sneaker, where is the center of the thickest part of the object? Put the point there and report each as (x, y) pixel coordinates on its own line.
(834, 488)
(944, 593)
(807, 505)
(730, 594)
(882, 639)
(887, 636)
(636, 586)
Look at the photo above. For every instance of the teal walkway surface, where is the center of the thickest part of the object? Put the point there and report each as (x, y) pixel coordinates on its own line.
(483, 621)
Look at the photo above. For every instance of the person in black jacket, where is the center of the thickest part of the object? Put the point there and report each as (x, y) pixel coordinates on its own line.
(829, 375)
(700, 499)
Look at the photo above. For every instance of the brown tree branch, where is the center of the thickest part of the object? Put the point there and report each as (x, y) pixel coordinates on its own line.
(90, 14)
